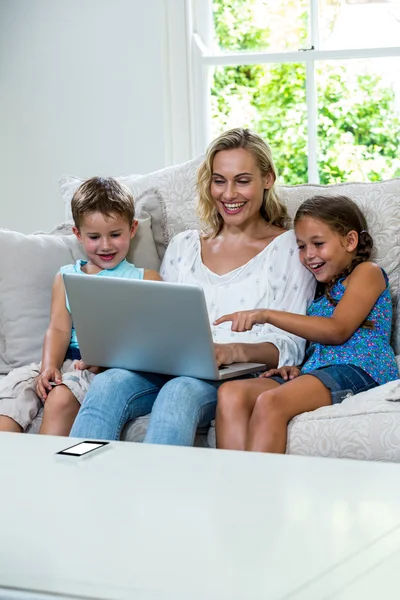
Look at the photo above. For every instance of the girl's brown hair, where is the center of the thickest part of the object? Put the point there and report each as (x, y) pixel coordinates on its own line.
(342, 215)
(272, 209)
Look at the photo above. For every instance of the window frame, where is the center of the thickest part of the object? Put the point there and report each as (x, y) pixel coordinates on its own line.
(203, 59)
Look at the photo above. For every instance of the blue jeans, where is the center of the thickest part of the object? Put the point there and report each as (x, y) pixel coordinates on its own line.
(341, 380)
(178, 406)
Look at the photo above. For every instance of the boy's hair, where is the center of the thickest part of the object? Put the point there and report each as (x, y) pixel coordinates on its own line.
(342, 215)
(272, 209)
(105, 195)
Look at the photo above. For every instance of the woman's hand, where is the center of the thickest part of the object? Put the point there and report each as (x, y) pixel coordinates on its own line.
(81, 366)
(244, 319)
(225, 354)
(43, 385)
(286, 373)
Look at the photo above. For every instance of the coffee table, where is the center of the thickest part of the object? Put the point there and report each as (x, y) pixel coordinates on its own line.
(164, 523)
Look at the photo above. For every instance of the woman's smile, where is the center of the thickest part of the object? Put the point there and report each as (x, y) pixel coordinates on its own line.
(232, 208)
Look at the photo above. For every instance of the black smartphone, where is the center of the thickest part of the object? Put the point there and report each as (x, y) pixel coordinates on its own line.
(82, 448)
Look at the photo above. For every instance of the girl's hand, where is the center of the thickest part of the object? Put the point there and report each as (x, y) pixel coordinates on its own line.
(286, 373)
(44, 381)
(244, 319)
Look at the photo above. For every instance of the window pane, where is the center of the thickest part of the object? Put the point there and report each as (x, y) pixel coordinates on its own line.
(261, 24)
(359, 24)
(358, 120)
(271, 99)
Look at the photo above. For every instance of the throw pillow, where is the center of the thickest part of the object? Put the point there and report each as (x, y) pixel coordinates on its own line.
(396, 330)
(177, 186)
(167, 195)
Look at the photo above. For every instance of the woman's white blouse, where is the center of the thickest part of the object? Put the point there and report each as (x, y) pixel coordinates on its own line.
(274, 278)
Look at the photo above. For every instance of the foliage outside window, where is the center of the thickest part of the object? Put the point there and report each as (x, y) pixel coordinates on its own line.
(358, 121)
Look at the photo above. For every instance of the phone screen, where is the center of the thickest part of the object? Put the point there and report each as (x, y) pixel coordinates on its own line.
(82, 448)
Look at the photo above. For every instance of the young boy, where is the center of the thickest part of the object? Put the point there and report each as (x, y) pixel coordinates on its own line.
(103, 213)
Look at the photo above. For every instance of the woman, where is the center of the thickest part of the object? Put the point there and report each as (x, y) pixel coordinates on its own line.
(246, 259)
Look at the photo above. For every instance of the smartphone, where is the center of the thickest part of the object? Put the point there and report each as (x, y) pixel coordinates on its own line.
(82, 448)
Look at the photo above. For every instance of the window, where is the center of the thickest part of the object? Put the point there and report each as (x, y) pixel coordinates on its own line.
(318, 79)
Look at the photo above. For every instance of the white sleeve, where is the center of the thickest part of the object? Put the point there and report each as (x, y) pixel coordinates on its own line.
(293, 289)
(169, 267)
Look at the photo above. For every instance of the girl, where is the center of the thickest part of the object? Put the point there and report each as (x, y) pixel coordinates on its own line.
(348, 327)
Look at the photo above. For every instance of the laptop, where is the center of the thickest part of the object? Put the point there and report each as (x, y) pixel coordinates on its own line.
(151, 326)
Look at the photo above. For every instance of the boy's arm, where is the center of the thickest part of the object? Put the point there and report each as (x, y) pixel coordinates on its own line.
(56, 339)
(150, 275)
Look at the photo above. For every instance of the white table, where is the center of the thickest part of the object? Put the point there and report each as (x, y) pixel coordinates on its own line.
(164, 523)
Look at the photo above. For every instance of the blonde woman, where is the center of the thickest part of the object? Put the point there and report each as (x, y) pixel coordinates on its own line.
(244, 259)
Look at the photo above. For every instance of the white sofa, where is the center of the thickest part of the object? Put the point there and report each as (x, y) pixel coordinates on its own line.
(365, 426)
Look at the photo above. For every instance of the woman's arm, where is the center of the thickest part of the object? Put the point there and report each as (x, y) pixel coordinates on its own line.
(169, 269)
(265, 353)
(364, 286)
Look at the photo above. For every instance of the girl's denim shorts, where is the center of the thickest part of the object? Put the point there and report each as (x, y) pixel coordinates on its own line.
(342, 380)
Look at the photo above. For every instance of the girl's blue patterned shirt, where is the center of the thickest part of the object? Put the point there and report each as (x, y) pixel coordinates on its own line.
(367, 348)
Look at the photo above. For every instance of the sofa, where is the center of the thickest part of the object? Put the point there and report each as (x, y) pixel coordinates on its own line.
(364, 426)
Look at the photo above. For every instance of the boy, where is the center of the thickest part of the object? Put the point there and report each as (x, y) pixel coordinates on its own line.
(103, 213)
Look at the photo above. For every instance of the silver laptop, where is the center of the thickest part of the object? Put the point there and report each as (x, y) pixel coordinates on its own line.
(150, 326)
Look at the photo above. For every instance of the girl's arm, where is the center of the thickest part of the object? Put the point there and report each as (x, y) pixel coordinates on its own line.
(56, 340)
(364, 286)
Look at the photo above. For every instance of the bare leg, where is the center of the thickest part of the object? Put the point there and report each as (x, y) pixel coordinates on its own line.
(60, 410)
(274, 409)
(236, 400)
(8, 424)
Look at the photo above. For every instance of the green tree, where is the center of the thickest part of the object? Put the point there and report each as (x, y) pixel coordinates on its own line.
(357, 122)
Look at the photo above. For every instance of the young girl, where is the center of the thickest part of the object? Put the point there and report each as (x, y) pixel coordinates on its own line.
(348, 327)
(104, 217)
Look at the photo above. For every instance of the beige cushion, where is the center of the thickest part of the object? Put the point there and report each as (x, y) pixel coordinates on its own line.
(177, 187)
(167, 195)
(396, 328)
(26, 278)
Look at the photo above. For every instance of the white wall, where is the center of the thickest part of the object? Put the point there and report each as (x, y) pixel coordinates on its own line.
(82, 91)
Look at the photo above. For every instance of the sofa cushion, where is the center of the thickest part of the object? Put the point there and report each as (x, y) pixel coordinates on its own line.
(177, 186)
(26, 278)
(396, 326)
(380, 203)
(167, 195)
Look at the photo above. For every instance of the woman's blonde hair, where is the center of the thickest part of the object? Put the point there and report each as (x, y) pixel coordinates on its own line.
(272, 209)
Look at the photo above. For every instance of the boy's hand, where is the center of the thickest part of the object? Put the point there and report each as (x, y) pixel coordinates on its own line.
(244, 319)
(286, 373)
(79, 364)
(43, 385)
